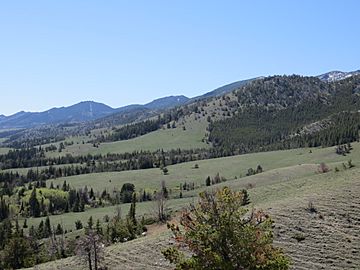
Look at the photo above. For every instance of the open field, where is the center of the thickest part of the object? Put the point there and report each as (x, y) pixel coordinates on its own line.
(4, 150)
(289, 181)
(228, 167)
(166, 139)
(331, 235)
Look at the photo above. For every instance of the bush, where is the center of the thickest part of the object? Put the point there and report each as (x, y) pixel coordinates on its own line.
(78, 225)
(311, 207)
(323, 168)
(299, 237)
(220, 235)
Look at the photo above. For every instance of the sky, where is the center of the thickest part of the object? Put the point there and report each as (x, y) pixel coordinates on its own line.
(57, 53)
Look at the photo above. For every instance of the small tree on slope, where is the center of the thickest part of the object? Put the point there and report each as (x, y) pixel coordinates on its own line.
(219, 235)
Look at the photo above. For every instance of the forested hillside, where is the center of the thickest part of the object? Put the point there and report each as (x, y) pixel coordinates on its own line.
(288, 112)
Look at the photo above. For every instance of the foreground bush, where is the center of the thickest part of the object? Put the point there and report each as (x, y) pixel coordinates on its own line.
(218, 233)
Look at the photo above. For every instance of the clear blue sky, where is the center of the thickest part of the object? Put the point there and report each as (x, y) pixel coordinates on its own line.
(56, 53)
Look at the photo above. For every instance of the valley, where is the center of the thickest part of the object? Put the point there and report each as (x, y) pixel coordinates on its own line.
(283, 191)
(185, 135)
(290, 142)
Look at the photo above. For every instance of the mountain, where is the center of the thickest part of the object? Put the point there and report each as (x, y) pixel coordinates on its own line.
(89, 110)
(167, 102)
(134, 113)
(337, 75)
(281, 112)
(86, 111)
(80, 112)
(224, 89)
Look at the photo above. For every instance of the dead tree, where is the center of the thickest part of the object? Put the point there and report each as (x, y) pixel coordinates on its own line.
(90, 248)
(160, 203)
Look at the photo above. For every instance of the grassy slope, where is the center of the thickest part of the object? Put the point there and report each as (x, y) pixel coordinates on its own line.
(4, 150)
(331, 235)
(163, 138)
(280, 167)
(228, 167)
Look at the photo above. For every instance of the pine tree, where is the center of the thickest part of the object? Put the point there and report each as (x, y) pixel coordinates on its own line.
(4, 210)
(59, 230)
(245, 198)
(17, 253)
(90, 223)
(208, 181)
(132, 210)
(92, 196)
(47, 228)
(34, 204)
(40, 230)
(98, 228)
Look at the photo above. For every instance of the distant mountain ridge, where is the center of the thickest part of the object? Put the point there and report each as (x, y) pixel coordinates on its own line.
(336, 75)
(167, 102)
(82, 112)
(90, 110)
(225, 89)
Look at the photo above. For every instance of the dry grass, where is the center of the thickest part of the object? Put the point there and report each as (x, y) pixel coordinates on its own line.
(328, 238)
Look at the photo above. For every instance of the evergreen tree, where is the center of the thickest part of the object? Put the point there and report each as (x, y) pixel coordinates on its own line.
(98, 228)
(126, 192)
(90, 223)
(245, 198)
(4, 209)
(132, 210)
(164, 190)
(47, 228)
(218, 234)
(208, 181)
(18, 253)
(34, 204)
(59, 230)
(78, 225)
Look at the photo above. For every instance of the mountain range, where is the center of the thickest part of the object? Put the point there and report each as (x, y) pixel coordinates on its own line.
(90, 110)
(81, 112)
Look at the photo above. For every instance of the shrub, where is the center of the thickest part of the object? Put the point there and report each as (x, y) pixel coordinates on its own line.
(78, 225)
(323, 168)
(311, 207)
(299, 237)
(219, 235)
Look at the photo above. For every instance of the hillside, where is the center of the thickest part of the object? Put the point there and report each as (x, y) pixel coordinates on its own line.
(278, 113)
(283, 190)
(167, 102)
(274, 93)
(220, 91)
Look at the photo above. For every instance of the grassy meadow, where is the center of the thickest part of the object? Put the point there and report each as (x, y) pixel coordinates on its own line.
(166, 139)
(284, 191)
(285, 172)
(228, 167)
